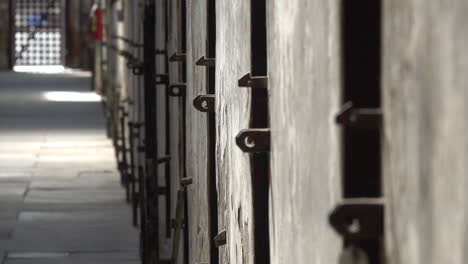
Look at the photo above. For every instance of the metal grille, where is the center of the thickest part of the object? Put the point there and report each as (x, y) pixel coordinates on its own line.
(38, 32)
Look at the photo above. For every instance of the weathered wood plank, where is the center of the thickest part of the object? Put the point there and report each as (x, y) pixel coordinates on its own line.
(232, 115)
(304, 72)
(425, 143)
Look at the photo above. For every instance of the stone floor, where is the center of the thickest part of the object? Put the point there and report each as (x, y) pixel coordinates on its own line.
(60, 197)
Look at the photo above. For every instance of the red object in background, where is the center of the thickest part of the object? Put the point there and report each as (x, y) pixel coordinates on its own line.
(98, 25)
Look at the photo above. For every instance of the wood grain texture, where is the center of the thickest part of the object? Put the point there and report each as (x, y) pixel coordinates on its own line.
(304, 72)
(197, 135)
(425, 154)
(232, 115)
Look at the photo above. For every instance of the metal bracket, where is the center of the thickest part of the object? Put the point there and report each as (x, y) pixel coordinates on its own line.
(175, 224)
(358, 218)
(360, 117)
(177, 89)
(186, 182)
(161, 191)
(254, 140)
(162, 79)
(160, 52)
(178, 57)
(163, 159)
(248, 80)
(208, 62)
(220, 239)
(205, 103)
(138, 69)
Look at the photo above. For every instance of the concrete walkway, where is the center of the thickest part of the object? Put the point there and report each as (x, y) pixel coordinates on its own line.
(60, 197)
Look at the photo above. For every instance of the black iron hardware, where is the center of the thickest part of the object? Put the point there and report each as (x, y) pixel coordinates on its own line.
(254, 140)
(175, 224)
(205, 103)
(360, 117)
(161, 190)
(178, 57)
(160, 52)
(163, 159)
(141, 149)
(138, 69)
(186, 181)
(177, 89)
(253, 81)
(162, 79)
(361, 218)
(208, 62)
(220, 239)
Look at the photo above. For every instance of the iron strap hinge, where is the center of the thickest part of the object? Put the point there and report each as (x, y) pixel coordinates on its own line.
(248, 80)
(208, 62)
(369, 118)
(205, 103)
(254, 140)
(359, 218)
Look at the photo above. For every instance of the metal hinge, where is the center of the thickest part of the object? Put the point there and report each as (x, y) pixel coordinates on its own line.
(369, 118)
(208, 62)
(186, 182)
(162, 78)
(163, 159)
(160, 52)
(248, 80)
(205, 103)
(177, 89)
(254, 140)
(178, 57)
(138, 69)
(220, 238)
(161, 190)
(359, 218)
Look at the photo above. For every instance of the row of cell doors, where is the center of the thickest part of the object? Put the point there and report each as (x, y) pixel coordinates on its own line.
(38, 30)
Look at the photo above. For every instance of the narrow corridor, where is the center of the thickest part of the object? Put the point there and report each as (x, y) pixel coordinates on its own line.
(60, 194)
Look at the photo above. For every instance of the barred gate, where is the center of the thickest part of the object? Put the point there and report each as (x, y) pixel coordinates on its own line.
(38, 32)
